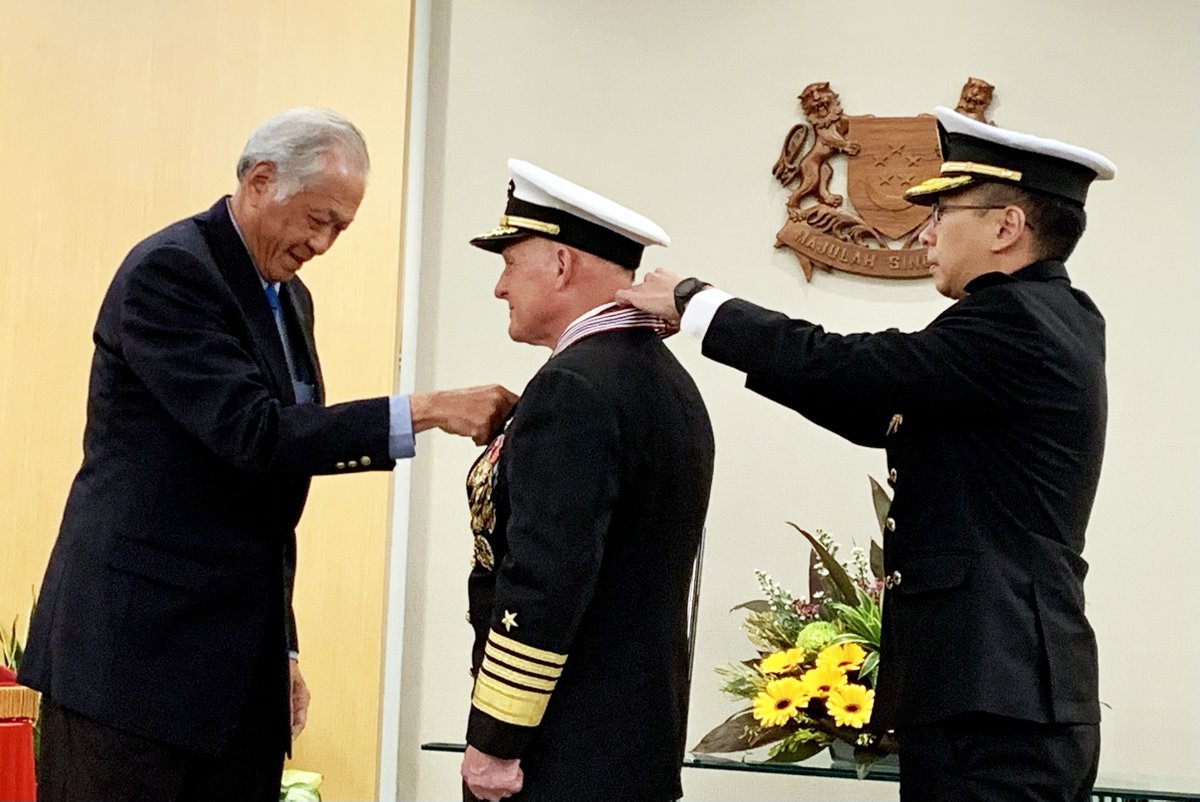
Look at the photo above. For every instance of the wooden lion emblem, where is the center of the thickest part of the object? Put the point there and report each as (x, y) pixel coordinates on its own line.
(876, 234)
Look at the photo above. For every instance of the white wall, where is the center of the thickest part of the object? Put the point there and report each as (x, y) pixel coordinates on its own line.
(678, 109)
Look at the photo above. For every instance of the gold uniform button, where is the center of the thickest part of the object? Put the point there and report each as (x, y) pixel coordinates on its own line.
(340, 465)
(893, 580)
(366, 462)
(891, 524)
(892, 476)
(352, 464)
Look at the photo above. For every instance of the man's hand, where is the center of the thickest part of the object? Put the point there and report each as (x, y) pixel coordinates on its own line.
(300, 696)
(656, 295)
(476, 412)
(491, 778)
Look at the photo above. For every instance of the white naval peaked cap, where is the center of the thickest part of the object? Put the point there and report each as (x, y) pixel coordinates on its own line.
(973, 151)
(542, 204)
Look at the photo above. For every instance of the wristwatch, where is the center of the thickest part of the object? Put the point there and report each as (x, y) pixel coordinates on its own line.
(684, 291)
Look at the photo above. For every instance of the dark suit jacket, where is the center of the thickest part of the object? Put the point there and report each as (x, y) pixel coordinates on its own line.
(993, 420)
(173, 567)
(598, 501)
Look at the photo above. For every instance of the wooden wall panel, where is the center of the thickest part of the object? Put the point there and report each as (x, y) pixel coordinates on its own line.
(117, 118)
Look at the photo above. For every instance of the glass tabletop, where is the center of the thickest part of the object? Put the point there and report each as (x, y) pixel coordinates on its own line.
(1109, 788)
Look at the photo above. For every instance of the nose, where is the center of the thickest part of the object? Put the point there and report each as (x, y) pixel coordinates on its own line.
(500, 290)
(928, 234)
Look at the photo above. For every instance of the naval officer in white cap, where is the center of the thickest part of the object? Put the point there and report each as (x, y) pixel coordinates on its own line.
(586, 515)
(993, 421)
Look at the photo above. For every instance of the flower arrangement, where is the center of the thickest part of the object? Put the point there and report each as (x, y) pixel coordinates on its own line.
(812, 684)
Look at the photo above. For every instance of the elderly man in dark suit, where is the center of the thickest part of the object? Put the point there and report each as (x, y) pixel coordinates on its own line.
(162, 635)
(993, 422)
(587, 514)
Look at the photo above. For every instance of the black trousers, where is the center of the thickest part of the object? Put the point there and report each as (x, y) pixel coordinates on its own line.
(82, 760)
(978, 756)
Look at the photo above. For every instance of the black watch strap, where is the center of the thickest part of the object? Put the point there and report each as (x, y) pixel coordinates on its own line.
(684, 291)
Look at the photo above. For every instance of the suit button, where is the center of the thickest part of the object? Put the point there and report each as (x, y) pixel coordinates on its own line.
(365, 462)
(890, 523)
(352, 464)
(892, 477)
(892, 580)
(340, 465)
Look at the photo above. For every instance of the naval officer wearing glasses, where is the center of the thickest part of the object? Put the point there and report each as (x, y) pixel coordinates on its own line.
(993, 421)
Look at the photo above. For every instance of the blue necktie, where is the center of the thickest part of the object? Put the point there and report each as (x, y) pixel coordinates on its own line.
(303, 391)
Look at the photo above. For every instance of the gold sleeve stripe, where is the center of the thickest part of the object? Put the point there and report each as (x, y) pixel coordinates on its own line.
(501, 672)
(521, 650)
(512, 661)
(523, 708)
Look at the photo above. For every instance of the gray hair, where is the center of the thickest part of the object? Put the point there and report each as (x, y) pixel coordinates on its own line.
(296, 141)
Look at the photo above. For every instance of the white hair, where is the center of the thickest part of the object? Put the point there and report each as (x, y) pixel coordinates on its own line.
(297, 141)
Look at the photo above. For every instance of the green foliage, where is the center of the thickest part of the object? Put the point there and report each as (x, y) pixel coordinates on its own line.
(864, 619)
(817, 635)
(741, 681)
(11, 649)
(799, 745)
(773, 622)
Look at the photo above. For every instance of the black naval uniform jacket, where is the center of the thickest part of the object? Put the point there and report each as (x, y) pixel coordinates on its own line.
(170, 581)
(993, 421)
(588, 514)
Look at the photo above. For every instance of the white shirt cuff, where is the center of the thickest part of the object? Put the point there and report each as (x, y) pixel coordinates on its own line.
(698, 315)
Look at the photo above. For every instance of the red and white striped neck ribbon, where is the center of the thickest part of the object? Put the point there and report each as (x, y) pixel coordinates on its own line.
(611, 317)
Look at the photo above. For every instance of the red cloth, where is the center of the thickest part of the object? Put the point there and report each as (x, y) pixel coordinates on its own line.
(16, 761)
(7, 676)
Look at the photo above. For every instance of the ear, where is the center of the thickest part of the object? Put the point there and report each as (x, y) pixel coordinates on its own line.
(566, 267)
(1010, 230)
(259, 181)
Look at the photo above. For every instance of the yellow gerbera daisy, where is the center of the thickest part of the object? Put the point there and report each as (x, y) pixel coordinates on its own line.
(782, 662)
(780, 701)
(819, 681)
(850, 705)
(842, 656)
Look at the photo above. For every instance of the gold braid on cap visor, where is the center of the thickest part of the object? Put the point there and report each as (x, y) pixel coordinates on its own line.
(530, 224)
(981, 169)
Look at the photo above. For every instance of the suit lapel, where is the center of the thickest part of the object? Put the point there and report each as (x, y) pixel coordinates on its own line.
(297, 308)
(237, 267)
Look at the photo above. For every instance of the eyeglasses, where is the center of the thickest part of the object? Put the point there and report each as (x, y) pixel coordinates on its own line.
(939, 209)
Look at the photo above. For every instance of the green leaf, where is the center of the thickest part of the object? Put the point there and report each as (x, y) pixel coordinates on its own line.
(738, 733)
(754, 605)
(869, 667)
(844, 586)
(797, 751)
(882, 501)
